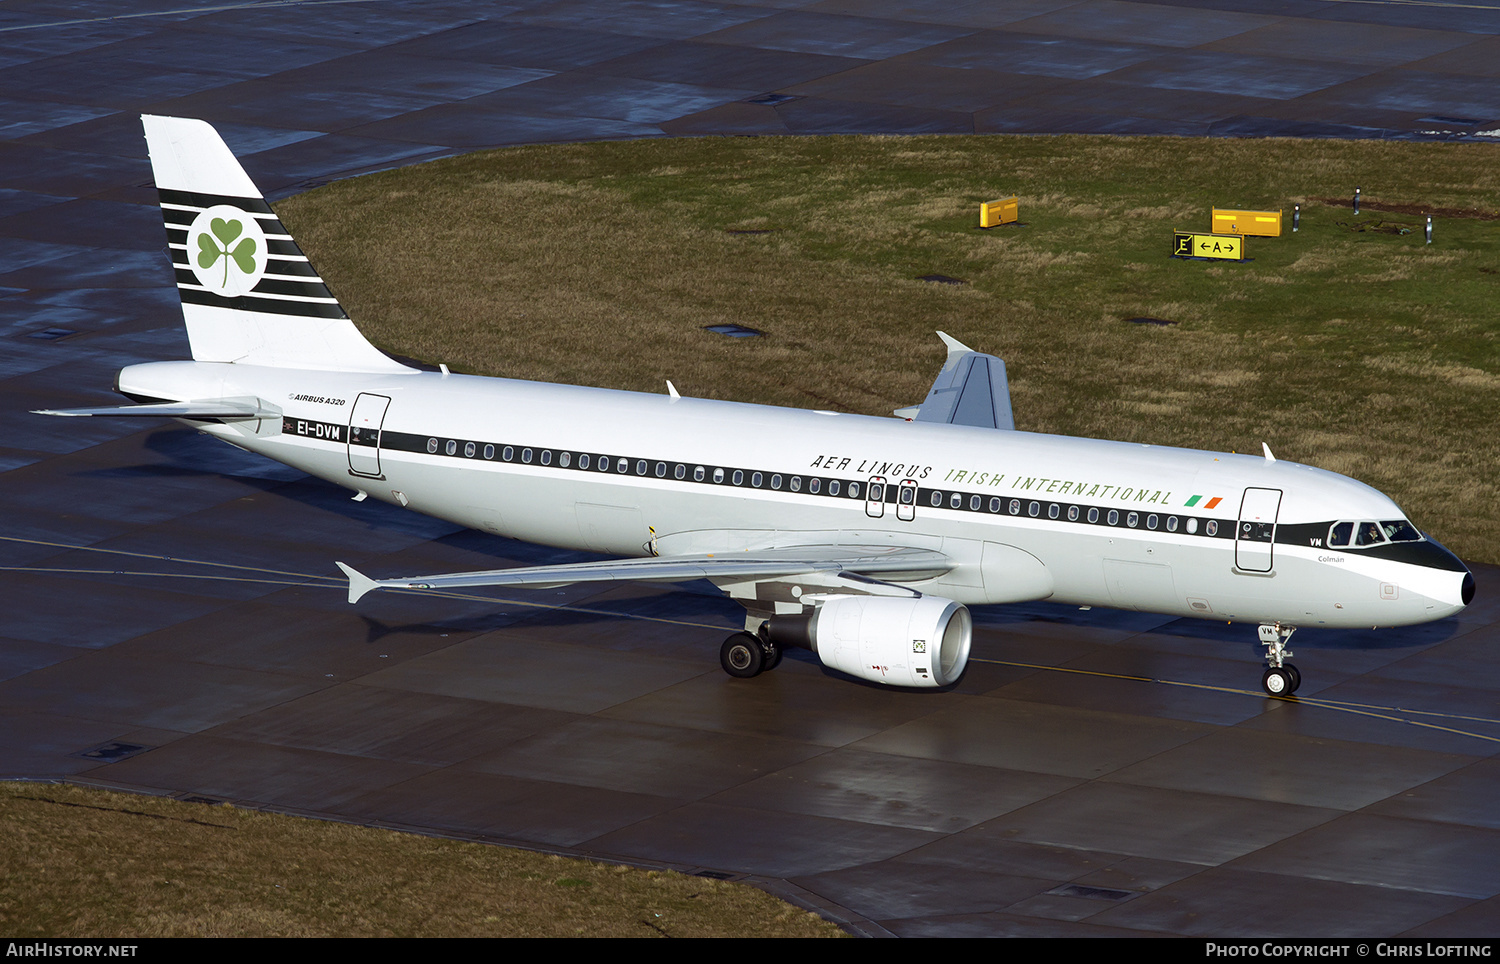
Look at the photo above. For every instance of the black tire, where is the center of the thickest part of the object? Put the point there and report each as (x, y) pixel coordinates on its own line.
(1296, 677)
(742, 656)
(1276, 682)
(773, 655)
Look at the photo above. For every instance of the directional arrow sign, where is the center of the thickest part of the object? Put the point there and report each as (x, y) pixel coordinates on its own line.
(1224, 247)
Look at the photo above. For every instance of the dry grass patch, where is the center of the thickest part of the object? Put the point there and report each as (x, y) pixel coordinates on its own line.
(87, 863)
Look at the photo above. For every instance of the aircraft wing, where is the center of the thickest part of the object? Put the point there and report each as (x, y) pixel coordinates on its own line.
(855, 561)
(223, 409)
(970, 390)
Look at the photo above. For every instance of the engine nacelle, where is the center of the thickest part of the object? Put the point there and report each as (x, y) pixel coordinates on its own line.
(899, 641)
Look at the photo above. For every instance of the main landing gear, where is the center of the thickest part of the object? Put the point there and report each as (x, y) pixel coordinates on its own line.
(1280, 678)
(744, 655)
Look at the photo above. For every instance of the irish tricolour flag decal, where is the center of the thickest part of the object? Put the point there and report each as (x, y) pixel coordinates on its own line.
(1199, 498)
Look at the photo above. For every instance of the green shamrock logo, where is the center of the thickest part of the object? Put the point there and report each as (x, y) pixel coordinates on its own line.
(215, 244)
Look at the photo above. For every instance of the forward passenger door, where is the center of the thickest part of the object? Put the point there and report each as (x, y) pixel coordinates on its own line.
(1255, 537)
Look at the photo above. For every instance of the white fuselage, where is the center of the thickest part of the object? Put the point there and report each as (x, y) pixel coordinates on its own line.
(997, 503)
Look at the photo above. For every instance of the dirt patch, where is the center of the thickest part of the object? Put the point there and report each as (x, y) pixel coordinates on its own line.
(1417, 210)
(1377, 225)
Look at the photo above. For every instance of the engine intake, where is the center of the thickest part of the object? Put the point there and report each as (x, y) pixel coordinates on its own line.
(921, 642)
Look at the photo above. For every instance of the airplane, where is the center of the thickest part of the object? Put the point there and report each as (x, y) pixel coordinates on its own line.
(864, 539)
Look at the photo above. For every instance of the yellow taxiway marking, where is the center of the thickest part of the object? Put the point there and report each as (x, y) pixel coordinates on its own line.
(306, 579)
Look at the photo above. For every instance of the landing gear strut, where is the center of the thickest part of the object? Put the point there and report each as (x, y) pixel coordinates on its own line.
(1280, 678)
(744, 655)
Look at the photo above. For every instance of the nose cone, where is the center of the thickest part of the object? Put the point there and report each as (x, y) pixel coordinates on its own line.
(1458, 586)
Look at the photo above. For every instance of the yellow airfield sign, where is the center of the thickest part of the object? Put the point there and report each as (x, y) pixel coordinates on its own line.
(1226, 247)
(1003, 211)
(1263, 223)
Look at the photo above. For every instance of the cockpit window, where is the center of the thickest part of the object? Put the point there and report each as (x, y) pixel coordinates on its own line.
(1363, 535)
(1399, 530)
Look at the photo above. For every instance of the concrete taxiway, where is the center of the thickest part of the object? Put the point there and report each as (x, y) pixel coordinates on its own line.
(174, 623)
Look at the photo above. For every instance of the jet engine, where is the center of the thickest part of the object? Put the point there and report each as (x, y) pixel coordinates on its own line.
(921, 641)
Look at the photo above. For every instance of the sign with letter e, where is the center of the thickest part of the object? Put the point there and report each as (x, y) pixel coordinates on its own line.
(1223, 247)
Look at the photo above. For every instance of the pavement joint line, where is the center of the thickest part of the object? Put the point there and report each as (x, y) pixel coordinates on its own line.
(1358, 709)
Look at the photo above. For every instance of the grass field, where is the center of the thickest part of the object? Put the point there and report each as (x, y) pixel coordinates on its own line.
(78, 862)
(1349, 345)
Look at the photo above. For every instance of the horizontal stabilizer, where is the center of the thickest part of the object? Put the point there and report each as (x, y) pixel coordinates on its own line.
(224, 410)
(765, 564)
(970, 390)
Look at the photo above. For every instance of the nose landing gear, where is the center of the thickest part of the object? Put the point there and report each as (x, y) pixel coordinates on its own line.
(1280, 678)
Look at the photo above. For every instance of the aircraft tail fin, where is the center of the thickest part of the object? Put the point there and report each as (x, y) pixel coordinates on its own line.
(249, 294)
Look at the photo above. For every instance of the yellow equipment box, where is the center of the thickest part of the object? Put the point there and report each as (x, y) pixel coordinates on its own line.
(1266, 224)
(1228, 247)
(1003, 211)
